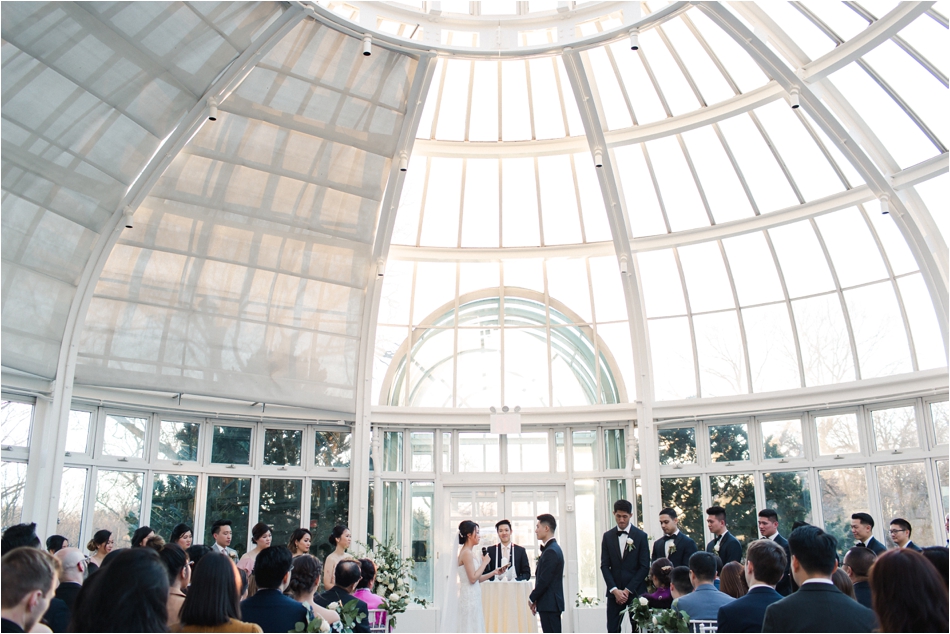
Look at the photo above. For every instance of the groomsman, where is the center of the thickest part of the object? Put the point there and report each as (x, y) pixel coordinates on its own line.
(723, 544)
(900, 533)
(547, 598)
(768, 528)
(862, 525)
(512, 553)
(675, 545)
(221, 532)
(624, 562)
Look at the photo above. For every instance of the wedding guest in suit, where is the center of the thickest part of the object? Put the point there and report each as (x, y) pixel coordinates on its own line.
(182, 535)
(660, 572)
(765, 565)
(213, 603)
(347, 575)
(624, 563)
(29, 580)
(723, 544)
(909, 595)
(547, 598)
(768, 529)
(900, 531)
(818, 606)
(675, 545)
(510, 552)
(680, 583)
(732, 580)
(857, 564)
(73, 568)
(221, 532)
(179, 576)
(704, 601)
(862, 525)
(269, 608)
(939, 556)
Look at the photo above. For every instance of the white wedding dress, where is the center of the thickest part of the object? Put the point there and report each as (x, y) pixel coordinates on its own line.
(471, 618)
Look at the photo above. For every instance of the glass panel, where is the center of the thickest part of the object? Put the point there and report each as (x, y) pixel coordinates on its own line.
(178, 441)
(478, 452)
(588, 560)
(616, 490)
(560, 456)
(370, 519)
(615, 449)
(329, 506)
(77, 433)
(825, 344)
(15, 424)
(584, 442)
(677, 445)
(124, 436)
(843, 492)
(392, 512)
(118, 504)
(638, 505)
(392, 451)
(728, 443)
(722, 370)
(72, 497)
(229, 498)
(940, 414)
(895, 428)
(173, 502)
(423, 498)
(280, 507)
(672, 353)
(772, 358)
(420, 444)
(838, 434)
(782, 439)
(904, 494)
(528, 452)
(879, 332)
(231, 445)
(787, 492)
(736, 494)
(14, 485)
(332, 449)
(446, 452)
(943, 481)
(685, 496)
(282, 447)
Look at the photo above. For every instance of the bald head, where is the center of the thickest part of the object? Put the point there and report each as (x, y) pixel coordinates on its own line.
(74, 564)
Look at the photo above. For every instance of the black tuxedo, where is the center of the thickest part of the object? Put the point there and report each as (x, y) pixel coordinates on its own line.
(58, 614)
(548, 593)
(624, 570)
(684, 545)
(336, 593)
(729, 548)
(874, 545)
(784, 586)
(818, 607)
(862, 592)
(746, 614)
(914, 547)
(519, 561)
(273, 611)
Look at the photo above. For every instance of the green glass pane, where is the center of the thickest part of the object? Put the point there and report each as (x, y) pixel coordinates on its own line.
(280, 507)
(685, 496)
(787, 492)
(229, 498)
(329, 506)
(615, 448)
(178, 441)
(173, 502)
(392, 451)
(282, 447)
(332, 449)
(677, 445)
(729, 443)
(736, 494)
(232, 445)
(423, 498)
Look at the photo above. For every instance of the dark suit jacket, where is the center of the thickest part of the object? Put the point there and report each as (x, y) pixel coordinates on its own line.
(876, 546)
(9, 626)
(784, 586)
(818, 607)
(67, 591)
(548, 593)
(914, 547)
(625, 569)
(746, 614)
(862, 592)
(273, 611)
(57, 615)
(337, 593)
(685, 546)
(729, 548)
(519, 564)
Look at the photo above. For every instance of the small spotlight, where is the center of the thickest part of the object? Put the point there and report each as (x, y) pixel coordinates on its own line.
(623, 264)
(492, 410)
(794, 98)
(127, 217)
(212, 109)
(403, 162)
(598, 158)
(504, 409)
(634, 39)
(885, 204)
(380, 267)
(517, 408)
(367, 45)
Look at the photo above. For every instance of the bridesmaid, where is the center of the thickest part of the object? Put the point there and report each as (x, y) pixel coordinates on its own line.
(340, 539)
(261, 536)
(101, 544)
(299, 543)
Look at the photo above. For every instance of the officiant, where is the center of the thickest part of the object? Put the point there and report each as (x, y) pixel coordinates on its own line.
(506, 552)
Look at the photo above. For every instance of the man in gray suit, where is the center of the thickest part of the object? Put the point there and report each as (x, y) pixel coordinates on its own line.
(704, 601)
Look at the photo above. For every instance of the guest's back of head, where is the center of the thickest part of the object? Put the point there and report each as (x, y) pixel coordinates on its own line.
(859, 559)
(26, 571)
(347, 573)
(197, 551)
(55, 543)
(127, 594)
(703, 566)
(843, 582)
(304, 576)
(814, 549)
(680, 581)
(19, 535)
(732, 580)
(367, 573)
(175, 560)
(271, 566)
(661, 569)
(768, 561)
(214, 596)
(939, 556)
(908, 594)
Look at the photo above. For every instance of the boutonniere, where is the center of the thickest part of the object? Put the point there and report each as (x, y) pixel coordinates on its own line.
(630, 545)
(716, 548)
(672, 548)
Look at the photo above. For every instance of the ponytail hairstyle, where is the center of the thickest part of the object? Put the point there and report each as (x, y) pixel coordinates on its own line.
(466, 528)
(100, 538)
(175, 560)
(336, 534)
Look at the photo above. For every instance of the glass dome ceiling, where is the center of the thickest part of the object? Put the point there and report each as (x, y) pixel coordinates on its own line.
(704, 237)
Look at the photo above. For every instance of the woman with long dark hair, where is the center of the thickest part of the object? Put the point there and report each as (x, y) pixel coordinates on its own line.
(128, 594)
(340, 538)
(179, 576)
(907, 593)
(141, 535)
(660, 572)
(732, 580)
(213, 603)
(299, 543)
(101, 545)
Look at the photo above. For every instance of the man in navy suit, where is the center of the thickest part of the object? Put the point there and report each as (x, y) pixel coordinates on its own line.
(900, 532)
(857, 563)
(818, 606)
(768, 528)
(764, 568)
(862, 525)
(723, 543)
(515, 555)
(624, 563)
(547, 598)
(270, 608)
(347, 575)
(675, 545)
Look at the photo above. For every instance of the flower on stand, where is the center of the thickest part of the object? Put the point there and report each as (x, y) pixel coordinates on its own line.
(393, 577)
(316, 624)
(640, 609)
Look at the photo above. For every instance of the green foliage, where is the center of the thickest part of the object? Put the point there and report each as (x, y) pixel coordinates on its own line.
(685, 496)
(585, 601)
(393, 576)
(729, 443)
(350, 615)
(316, 624)
(656, 620)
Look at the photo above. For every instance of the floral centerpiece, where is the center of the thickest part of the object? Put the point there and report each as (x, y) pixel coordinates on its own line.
(655, 620)
(393, 577)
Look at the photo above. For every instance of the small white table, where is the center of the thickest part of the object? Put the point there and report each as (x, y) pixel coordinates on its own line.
(505, 604)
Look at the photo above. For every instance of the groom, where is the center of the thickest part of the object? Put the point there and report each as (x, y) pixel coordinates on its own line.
(624, 562)
(547, 598)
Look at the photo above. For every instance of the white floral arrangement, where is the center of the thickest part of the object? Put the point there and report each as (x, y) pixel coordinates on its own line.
(630, 545)
(393, 577)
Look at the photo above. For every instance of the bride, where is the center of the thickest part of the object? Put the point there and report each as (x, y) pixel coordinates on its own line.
(462, 610)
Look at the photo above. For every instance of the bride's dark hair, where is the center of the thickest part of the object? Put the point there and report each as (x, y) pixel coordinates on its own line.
(466, 528)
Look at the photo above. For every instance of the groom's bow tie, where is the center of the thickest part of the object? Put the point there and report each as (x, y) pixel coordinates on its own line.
(667, 538)
(620, 532)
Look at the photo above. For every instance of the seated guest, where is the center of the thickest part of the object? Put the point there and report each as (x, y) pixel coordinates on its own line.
(128, 594)
(660, 572)
(347, 575)
(141, 535)
(213, 603)
(857, 563)
(19, 535)
(938, 556)
(196, 552)
(29, 580)
(704, 601)
(364, 589)
(179, 576)
(680, 584)
(909, 595)
(269, 608)
(900, 531)
(55, 543)
(764, 569)
(732, 580)
(261, 537)
(843, 582)
(818, 606)
(182, 535)
(101, 545)
(245, 584)
(155, 542)
(73, 567)
(304, 579)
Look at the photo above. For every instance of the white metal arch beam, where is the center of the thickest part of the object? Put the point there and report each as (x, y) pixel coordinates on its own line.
(42, 501)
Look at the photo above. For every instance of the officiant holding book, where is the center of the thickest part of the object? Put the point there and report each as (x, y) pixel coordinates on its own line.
(506, 552)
